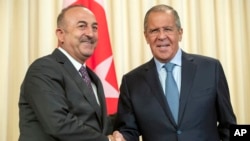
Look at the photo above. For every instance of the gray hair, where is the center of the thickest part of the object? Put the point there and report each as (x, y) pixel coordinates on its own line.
(162, 8)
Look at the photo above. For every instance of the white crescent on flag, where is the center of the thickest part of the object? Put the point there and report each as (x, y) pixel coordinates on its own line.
(101, 62)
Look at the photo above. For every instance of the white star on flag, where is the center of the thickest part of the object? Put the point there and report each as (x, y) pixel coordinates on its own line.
(104, 67)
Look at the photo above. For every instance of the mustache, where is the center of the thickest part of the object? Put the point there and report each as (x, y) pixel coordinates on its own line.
(89, 40)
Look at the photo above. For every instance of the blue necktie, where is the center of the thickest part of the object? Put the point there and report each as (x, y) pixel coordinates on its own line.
(171, 91)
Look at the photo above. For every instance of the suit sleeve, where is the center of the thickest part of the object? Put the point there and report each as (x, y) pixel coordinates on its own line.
(126, 122)
(225, 111)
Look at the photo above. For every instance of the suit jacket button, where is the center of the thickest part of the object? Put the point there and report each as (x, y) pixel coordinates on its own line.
(178, 132)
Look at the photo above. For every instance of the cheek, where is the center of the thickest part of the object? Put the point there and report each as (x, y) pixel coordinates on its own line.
(148, 40)
(174, 39)
(151, 41)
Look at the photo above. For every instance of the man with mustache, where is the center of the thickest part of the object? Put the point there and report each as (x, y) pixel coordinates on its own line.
(61, 98)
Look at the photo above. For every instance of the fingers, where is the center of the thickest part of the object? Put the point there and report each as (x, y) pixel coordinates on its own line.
(118, 136)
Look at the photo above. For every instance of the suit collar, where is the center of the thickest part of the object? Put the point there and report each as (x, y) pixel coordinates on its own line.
(187, 74)
(153, 81)
(75, 63)
(61, 58)
(187, 77)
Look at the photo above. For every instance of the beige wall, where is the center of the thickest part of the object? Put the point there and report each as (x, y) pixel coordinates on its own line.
(216, 28)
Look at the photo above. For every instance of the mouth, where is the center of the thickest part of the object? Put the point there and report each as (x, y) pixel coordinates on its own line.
(87, 44)
(87, 41)
(163, 45)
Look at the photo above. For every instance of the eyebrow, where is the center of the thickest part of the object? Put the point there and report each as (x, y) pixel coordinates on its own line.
(84, 22)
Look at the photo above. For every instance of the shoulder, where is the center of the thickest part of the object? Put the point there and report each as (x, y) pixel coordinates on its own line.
(141, 69)
(45, 66)
(197, 58)
(43, 62)
(51, 60)
(201, 61)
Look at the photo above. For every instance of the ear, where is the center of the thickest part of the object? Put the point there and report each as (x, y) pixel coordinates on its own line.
(180, 34)
(146, 36)
(60, 35)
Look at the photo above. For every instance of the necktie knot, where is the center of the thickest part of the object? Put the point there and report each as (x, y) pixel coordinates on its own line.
(85, 75)
(169, 67)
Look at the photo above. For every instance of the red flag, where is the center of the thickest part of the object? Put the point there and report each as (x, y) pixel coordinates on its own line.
(101, 62)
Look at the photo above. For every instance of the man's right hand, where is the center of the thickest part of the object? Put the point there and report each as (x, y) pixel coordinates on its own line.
(118, 136)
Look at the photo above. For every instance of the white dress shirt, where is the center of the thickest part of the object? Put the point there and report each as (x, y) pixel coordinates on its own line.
(77, 66)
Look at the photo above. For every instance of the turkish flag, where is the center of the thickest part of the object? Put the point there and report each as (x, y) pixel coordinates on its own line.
(101, 62)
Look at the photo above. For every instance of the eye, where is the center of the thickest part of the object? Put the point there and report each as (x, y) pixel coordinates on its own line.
(82, 26)
(168, 29)
(154, 31)
(95, 27)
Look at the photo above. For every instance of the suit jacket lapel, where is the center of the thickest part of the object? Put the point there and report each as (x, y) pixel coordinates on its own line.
(61, 58)
(152, 79)
(99, 87)
(188, 71)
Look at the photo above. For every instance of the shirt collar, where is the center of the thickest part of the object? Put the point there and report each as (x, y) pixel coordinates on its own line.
(75, 63)
(176, 60)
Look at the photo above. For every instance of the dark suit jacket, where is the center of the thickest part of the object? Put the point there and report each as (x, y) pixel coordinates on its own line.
(55, 104)
(204, 103)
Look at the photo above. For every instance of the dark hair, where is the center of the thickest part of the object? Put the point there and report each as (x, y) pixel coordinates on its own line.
(162, 8)
(62, 13)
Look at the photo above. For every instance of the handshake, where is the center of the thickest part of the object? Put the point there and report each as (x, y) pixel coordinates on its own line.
(117, 136)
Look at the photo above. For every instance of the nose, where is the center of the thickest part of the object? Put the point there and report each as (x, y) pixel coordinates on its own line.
(89, 32)
(162, 34)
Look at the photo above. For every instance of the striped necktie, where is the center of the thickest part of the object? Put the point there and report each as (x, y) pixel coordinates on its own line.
(87, 80)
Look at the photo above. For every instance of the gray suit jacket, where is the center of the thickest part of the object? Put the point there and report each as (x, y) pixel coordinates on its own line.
(204, 103)
(55, 104)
